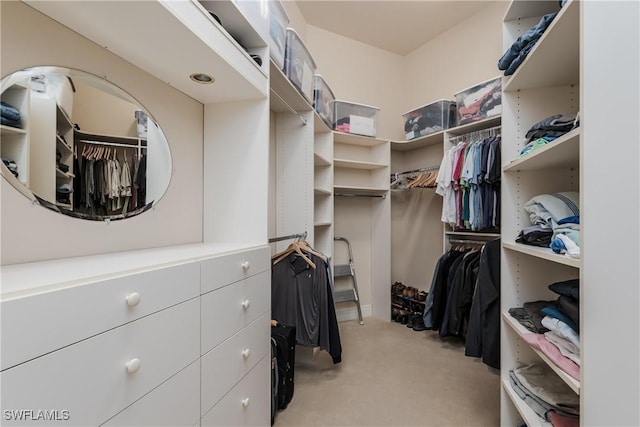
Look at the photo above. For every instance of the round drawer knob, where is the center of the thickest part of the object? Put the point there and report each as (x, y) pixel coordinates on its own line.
(133, 299)
(246, 304)
(245, 402)
(133, 365)
(246, 265)
(246, 352)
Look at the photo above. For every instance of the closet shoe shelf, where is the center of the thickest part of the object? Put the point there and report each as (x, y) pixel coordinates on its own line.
(521, 330)
(544, 253)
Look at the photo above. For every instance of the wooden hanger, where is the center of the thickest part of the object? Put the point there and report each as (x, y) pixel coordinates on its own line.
(304, 245)
(293, 247)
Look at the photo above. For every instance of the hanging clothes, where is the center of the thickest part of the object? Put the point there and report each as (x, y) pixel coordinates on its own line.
(469, 182)
(302, 296)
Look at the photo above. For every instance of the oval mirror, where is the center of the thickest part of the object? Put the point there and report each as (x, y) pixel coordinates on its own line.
(79, 145)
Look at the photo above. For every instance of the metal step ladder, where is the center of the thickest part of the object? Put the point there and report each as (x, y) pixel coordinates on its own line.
(347, 270)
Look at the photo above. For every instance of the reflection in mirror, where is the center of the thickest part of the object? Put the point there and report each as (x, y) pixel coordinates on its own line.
(77, 144)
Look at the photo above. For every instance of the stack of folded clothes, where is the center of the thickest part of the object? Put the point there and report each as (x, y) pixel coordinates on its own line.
(554, 326)
(546, 394)
(9, 115)
(555, 220)
(11, 165)
(548, 129)
(518, 51)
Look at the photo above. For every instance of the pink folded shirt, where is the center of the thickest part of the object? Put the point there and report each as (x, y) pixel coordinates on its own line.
(551, 351)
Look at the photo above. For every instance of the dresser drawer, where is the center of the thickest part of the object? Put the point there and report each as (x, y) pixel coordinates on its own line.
(99, 377)
(226, 269)
(38, 324)
(248, 403)
(226, 364)
(227, 310)
(174, 403)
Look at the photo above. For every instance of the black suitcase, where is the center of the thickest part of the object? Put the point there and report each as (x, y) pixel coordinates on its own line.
(285, 338)
(274, 380)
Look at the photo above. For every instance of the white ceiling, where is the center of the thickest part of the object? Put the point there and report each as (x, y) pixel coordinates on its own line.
(397, 26)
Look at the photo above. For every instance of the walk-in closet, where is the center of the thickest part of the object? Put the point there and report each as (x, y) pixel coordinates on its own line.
(319, 213)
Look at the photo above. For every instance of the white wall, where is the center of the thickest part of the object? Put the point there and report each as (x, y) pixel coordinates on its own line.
(31, 233)
(455, 60)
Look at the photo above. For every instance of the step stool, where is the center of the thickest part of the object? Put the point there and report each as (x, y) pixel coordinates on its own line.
(347, 270)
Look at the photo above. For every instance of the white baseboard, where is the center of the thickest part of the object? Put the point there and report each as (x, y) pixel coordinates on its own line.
(351, 313)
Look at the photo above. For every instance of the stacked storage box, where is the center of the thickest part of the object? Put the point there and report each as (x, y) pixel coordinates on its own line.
(323, 99)
(430, 118)
(355, 118)
(299, 66)
(278, 21)
(480, 101)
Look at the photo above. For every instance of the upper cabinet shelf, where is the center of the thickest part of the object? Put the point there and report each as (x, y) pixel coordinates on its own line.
(170, 40)
(555, 59)
(414, 144)
(475, 126)
(563, 152)
(285, 95)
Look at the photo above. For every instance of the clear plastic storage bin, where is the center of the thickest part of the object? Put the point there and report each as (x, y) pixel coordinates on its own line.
(299, 65)
(278, 21)
(323, 99)
(480, 101)
(355, 118)
(430, 118)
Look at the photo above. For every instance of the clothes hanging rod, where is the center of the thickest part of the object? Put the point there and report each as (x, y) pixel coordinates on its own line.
(290, 236)
(426, 169)
(112, 144)
(290, 108)
(380, 196)
(470, 242)
(476, 132)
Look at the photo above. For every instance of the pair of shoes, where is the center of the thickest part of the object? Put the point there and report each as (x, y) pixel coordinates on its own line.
(421, 296)
(397, 288)
(418, 324)
(410, 292)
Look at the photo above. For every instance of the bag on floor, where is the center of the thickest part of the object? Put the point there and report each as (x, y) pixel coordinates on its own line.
(274, 380)
(285, 338)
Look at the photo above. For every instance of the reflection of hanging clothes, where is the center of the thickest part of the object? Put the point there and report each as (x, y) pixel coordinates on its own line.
(141, 181)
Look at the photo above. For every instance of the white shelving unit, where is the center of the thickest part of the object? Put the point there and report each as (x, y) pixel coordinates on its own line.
(15, 141)
(546, 83)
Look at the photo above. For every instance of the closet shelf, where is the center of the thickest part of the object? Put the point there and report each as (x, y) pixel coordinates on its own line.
(364, 191)
(321, 191)
(521, 330)
(423, 141)
(319, 125)
(319, 160)
(529, 9)
(61, 174)
(475, 126)
(354, 164)
(183, 39)
(562, 153)
(8, 130)
(351, 139)
(287, 93)
(544, 253)
(555, 59)
(322, 224)
(531, 419)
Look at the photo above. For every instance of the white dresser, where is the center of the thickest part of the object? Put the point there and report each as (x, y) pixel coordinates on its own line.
(168, 336)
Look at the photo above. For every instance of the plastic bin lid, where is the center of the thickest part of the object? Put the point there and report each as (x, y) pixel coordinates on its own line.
(355, 103)
(429, 103)
(478, 84)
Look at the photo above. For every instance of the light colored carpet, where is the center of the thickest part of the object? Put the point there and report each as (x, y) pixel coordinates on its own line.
(391, 375)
